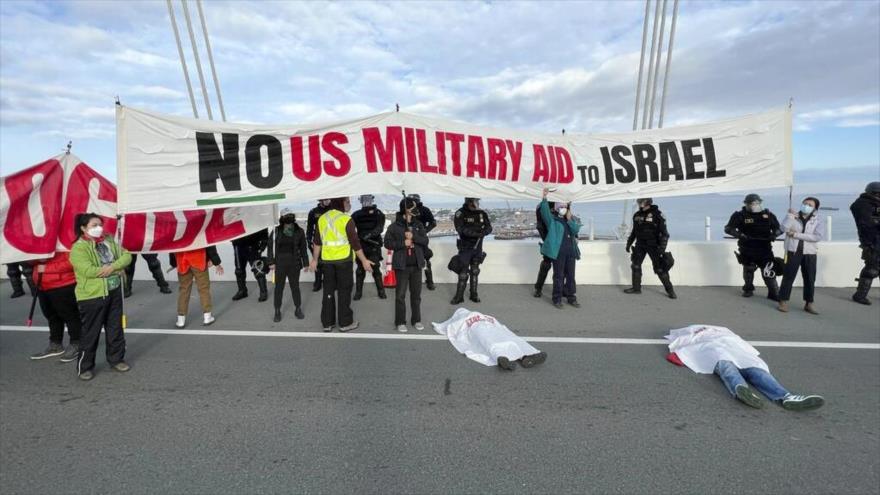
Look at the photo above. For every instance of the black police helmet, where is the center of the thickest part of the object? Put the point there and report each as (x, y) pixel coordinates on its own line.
(873, 188)
(751, 198)
(646, 200)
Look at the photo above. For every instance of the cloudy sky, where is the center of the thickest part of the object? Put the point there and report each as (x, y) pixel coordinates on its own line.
(535, 65)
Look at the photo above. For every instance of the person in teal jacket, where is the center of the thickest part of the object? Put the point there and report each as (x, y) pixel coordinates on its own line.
(98, 264)
(560, 245)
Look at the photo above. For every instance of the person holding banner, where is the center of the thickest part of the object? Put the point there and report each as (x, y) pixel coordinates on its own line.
(472, 225)
(247, 252)
(425, 216)
(650, 236)
(287, 256)
(546, 263)
(56, 290)
(98, 264)
(803, 230)
(756, 228)
(312, 223)
(369, 222)
(560, 245)
(192, 266)
(408, 238)
(155, 267)
(334, 242)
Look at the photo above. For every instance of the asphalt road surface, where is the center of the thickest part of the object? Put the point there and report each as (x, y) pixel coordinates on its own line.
(253, 414)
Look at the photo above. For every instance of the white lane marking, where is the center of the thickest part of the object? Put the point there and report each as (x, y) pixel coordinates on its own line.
(409, 336)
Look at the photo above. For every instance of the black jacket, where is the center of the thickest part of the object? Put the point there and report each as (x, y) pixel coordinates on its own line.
(426, 217)
(866, 213)
(471, 225)
(257, 240)
(369, 222)
(312, 222)
(649, 228)
(394, 240)
(210, 254)
(300, 252)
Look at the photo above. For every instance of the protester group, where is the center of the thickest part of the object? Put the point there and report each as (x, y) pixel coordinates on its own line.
(83, 290)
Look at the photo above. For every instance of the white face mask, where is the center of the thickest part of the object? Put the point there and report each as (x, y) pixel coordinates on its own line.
(96, 231)
(806, 209)
(563, 211)
(755, 208)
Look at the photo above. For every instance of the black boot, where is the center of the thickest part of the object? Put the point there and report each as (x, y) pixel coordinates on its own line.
(359, 277)
(667, 284)
(459, 291)
(299, 313)
(749, 282)
(543, 270)
(159, 277)
(637, 283)
(264, 291)
(242, 287)
(380, 284)
(772, 289)
(17, 285)
(126, 287)
(474, 282)
(861, 295)
(277, 317)
(429, 278)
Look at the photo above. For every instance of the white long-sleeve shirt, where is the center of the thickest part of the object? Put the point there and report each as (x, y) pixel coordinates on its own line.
(700, 347)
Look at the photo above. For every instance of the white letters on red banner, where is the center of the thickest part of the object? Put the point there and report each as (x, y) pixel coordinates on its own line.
(38, 207)
(173, 163)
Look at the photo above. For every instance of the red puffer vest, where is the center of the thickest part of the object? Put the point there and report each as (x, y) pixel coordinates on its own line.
(58, 272)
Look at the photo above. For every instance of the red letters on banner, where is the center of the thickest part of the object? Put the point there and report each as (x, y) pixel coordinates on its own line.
(47, 181)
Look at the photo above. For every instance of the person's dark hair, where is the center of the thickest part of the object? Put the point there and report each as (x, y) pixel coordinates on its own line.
(81, 221)
(407, 204)
(338, 204)
(814, 200)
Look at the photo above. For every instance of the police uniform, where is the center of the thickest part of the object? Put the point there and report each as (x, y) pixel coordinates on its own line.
(866, 212)
(369, 222)
(472, 226)
(426, 217)
(650, 237)
(755, 233)
(14, 271)
(248, 250)
(155, 267)
(311, 224)
(546, 263)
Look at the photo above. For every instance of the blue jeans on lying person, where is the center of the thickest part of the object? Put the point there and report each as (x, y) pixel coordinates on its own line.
(732, 376)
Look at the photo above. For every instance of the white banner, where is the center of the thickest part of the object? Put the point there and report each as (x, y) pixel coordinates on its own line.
(173, 163)
(38, 207)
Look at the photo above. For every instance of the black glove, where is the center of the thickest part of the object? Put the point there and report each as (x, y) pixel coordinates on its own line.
(629, 246)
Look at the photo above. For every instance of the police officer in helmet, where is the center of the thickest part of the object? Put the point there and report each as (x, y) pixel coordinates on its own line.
(248, 251)
(756, 228)
(472, 225)
(312, 223)
(650, 237)
(866, 212)
(424, 215)
(546, 263)
(369, 222)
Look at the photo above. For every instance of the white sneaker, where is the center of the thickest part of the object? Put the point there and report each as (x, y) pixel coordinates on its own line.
(418, 325)
(402, 328)
(181, 321)
(209, 318)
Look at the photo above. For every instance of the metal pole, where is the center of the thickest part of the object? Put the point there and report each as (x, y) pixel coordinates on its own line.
(650, 64)
(211, 60)
(828, 227)
(668, 62)
(189, 88)
(592, 229)
(708, 229)
(657, 66)
(641, 65)
(192, 40)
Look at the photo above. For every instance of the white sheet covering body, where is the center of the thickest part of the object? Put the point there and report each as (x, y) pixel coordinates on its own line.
(700, 347)
(483, 338)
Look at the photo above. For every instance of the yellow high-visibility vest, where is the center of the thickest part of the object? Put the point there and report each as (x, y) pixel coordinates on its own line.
(334, 242)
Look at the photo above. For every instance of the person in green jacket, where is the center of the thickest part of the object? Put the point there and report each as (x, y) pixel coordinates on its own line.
(98, 263)
(560, 245)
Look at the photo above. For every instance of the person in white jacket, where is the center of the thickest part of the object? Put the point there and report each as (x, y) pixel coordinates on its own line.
(803, 232)
(713, 349)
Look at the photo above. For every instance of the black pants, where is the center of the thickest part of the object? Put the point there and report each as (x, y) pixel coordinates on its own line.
(638, 256)
(807, 265)
(106, 313)
(375, 256)
(153, 264)
(336, 304)
(60, 308)
(287, 270)
(563, 277)
(15, 271)
(410, 277)
(246, 254)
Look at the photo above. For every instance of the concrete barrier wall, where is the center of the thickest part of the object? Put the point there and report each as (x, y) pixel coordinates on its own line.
(606, 263)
